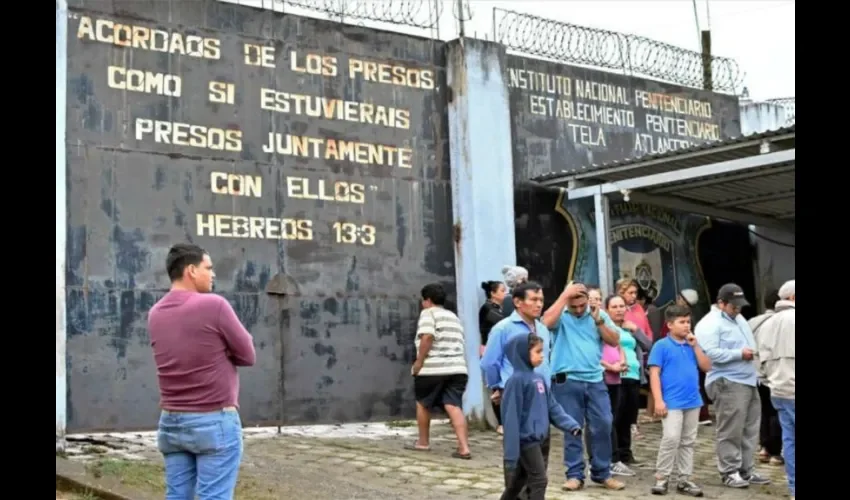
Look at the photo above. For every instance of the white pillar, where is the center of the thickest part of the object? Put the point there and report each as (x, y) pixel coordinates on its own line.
(603, 245)
(61, 220)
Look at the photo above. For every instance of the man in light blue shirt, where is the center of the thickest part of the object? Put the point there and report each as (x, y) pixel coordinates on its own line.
(497, 369)
(728, 341)
(528, 304)
(578, 332)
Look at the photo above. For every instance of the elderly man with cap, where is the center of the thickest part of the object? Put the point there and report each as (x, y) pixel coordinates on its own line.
(727, 340)
(512, 276)
(776, 357)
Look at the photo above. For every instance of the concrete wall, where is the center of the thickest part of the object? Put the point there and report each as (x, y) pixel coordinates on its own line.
(333, 321)
(482, 194)
(61, 335)
(775, 252)
(323, 262)
(758, 117)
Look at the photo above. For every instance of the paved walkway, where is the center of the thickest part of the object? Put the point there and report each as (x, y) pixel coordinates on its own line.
(379, 463)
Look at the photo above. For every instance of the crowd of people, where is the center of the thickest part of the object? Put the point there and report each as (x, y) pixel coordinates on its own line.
(578, 365)
(581, 363)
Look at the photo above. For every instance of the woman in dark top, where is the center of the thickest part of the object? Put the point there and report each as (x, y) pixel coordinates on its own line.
(490, 314)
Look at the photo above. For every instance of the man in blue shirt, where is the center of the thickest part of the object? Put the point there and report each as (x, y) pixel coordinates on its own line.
(578, 332)
(528, 304)
(728, 342)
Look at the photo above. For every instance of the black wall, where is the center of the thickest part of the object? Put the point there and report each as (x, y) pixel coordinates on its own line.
(332, 313)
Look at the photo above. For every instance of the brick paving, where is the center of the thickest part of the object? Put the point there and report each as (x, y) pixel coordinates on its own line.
(326, 461)
(386, 462)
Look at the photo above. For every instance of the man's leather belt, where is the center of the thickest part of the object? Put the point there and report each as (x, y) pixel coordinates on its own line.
(226, 408)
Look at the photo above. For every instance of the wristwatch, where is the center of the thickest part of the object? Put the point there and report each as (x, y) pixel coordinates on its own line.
(599, 322)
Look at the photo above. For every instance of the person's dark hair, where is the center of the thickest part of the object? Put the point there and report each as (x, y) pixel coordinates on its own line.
(181, 256)
(771, 298)
(435, 293)
(490, 287)
(610, 298)
(674, 311)
(533, 340)
(521, 291)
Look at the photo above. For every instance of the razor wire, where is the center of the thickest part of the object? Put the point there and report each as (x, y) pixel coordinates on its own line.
(790, 106)
(632, 54)
(423, 14)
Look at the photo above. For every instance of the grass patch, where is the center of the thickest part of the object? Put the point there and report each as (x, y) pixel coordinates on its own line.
(401, 424)
(150, 477)
(133, 473)
(67, 495)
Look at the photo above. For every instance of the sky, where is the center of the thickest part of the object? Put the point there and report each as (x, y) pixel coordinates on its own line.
(758, 34)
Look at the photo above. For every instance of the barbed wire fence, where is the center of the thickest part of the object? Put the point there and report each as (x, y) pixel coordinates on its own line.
(422, 15)
(631, 54)
(528, 34)
(790, 105)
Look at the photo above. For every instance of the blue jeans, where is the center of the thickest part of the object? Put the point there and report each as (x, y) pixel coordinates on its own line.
(202, 454)
(786, 408)
(587, 401)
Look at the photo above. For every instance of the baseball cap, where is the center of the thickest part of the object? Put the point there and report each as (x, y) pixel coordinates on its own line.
(732, 294)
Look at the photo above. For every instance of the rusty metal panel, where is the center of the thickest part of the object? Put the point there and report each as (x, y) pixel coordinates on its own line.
(332, 307)
(568, 117)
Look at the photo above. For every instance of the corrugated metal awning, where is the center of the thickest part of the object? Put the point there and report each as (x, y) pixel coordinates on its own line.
(748, 179)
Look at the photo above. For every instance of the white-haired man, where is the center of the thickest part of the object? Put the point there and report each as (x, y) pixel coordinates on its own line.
(775, 356)
(513, 276)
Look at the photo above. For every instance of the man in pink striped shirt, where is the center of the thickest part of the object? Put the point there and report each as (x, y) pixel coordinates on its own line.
(197, 343)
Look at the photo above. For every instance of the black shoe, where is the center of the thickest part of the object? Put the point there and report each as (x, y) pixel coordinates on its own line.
(660, 487)
(755, 479)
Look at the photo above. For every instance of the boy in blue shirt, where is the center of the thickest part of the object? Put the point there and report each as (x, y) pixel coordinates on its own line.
(527, 408)
(674, 365)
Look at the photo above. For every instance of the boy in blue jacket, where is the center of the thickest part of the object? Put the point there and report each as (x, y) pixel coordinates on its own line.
(527, 408)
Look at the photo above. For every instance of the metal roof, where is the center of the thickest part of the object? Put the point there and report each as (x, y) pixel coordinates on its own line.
(748, 179)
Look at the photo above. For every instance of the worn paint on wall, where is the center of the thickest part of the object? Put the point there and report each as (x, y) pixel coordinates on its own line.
(482, 186)
(321, 251)
(566, 117)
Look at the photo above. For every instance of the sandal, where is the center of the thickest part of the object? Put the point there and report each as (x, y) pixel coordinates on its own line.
(414, 446)
(461, 456)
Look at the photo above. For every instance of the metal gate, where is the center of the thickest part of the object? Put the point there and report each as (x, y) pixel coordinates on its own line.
(307, 157)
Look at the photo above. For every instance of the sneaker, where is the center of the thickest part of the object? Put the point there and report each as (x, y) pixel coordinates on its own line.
(689, 488)
(735, 480)
(621, 469)
(631, 461)
(573, 485)
(659, 488)
(755, 479)
(776, 461)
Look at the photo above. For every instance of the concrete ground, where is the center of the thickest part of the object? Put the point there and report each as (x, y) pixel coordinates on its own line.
(369, 461)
